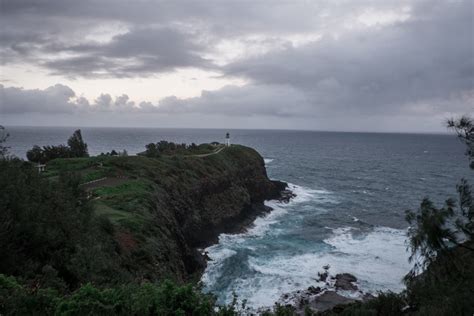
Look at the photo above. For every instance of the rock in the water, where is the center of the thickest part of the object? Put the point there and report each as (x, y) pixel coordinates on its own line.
(314, 290)
(326, 301)
(286, 196)
(344, 281)
(322, 276)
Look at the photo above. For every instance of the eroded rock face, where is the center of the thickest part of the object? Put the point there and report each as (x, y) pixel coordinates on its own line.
(225, 195)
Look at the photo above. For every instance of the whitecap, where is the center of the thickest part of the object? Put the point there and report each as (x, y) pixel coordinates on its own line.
(219, 252)
(267, 160)
(369, 257)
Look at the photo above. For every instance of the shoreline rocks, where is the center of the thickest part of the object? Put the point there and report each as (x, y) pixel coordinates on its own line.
(336, 290)
(345, 281)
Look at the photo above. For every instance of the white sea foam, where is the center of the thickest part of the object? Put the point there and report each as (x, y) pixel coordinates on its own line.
(377, 258)
(217, 255)
(267, 160)
(223, 250)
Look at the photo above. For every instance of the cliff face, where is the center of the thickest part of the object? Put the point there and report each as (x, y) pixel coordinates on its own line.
(225, 197)
(163, 209)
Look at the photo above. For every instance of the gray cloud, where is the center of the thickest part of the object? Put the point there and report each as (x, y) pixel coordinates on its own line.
(273, 100)
(251, 106)
(55, 99)
(160, 36)
(140, 51)
(419, 65)
(428, 57)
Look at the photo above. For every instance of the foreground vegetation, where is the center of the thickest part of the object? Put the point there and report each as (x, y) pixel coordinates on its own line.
(74, 248)
(165, 298)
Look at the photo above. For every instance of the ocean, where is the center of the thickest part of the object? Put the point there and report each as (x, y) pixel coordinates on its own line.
(352, 192)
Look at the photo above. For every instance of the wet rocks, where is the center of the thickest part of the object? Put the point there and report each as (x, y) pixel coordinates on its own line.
(314, 290)
(286, 196)
(345, 282)
(331, 292)
(328, 300)
(323, 276)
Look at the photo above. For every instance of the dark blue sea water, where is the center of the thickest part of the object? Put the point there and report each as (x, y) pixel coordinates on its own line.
(353, 189)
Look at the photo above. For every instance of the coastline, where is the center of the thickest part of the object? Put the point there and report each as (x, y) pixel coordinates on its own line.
(243, 221)
(238, 247)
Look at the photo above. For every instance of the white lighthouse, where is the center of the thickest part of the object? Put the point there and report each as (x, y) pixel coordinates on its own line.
(227, 140)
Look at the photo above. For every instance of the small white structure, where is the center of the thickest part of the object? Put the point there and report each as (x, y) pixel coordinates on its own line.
(40, 167)
(227, 140)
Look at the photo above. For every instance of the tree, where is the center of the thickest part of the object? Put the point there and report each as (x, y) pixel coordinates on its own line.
(47, 153)
(464, 128)
(429, 234)
(77, 145)
(152, 150)
(435, 230)
(3, 138)
(76, 148)
(36, 154)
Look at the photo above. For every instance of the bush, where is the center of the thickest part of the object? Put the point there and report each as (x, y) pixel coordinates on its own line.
(166, 298)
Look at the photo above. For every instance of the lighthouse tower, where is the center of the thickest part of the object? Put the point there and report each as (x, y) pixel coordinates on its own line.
(227, 140)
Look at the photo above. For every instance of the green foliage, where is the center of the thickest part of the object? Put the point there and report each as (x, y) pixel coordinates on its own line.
(434, 230)
(152, 151)
(57, 237)
(77, 146)
(429, 234)
(47, 153)
(169, 148)
(3, 138)
(280, 310)
(135, 187)
(115, 153)
(464, 128)
(46, 228)
(465, 220)
(165, 298)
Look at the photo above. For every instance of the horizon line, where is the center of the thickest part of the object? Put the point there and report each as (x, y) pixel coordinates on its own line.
(230, 129)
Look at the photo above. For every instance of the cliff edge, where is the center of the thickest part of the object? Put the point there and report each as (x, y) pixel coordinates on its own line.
(159, 211)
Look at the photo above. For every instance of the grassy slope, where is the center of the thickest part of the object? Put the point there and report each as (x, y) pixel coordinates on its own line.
(142, 177)
(155, 199)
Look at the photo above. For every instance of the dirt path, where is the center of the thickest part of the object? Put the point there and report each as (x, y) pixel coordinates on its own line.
(104, 182)
(113, 181)
(210, 154)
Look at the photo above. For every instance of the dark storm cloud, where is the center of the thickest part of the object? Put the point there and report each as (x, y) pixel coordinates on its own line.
(418, 65)
(61, 99)
(160, 36)
(55, 99)
(230, 100)
(428, 57)
(51, 34)
(140, 51)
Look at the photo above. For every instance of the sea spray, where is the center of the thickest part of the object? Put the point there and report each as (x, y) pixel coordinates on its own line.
(271, 259)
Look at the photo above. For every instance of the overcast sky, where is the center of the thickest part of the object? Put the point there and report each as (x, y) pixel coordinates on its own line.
(403, 66)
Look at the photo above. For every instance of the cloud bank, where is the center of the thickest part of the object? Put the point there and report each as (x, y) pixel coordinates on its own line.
(342, 61)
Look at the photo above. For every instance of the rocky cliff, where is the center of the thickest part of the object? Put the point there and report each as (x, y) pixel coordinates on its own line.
(161, 210)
